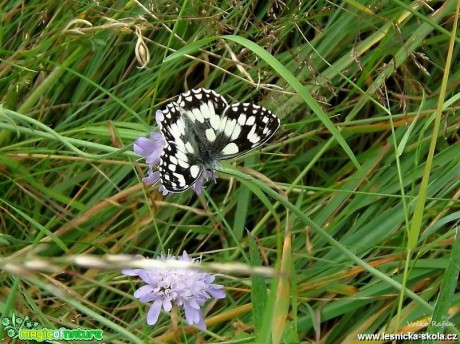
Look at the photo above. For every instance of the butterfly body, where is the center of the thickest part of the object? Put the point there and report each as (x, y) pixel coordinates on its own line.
(201, 129)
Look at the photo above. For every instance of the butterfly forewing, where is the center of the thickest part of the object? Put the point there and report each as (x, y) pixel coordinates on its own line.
(194, 110)
(247, 126)
(171, 122)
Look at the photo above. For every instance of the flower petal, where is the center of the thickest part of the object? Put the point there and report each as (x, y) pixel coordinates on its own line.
(193, 316)
(198, 186)
(158, 137)
(190, 314)
(150, 149)
(147, 276)
(200, 323)
(143, 291)
(185, 256)
(143, 146)
(152, 177)
(159, 117)
(206, 175)
(162, 189)
(167, 305)
(216, 291)
(154, 312)
(131, 272)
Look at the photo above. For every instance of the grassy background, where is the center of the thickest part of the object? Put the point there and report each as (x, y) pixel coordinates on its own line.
(358, 239)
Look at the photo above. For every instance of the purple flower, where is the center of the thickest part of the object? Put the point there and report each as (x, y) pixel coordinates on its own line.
(151, 149)
(182, 287)
(206, 175)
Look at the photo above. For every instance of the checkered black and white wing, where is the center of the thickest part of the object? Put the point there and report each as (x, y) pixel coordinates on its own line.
(178, 168)
(247, 126)
(193, 112)
(169, 121)
(187, 125)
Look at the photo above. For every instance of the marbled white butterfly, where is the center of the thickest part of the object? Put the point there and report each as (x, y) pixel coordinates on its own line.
(200, 129)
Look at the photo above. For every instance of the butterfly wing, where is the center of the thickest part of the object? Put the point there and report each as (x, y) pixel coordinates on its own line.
(246, 127)
(192, 114)
(170, 122)
(178, 169)
(187, 126)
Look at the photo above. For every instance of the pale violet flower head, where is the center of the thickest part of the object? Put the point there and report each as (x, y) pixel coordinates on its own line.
(152, 147)
(183, 287)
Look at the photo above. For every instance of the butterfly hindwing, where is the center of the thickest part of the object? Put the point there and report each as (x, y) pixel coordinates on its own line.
(178, 169)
